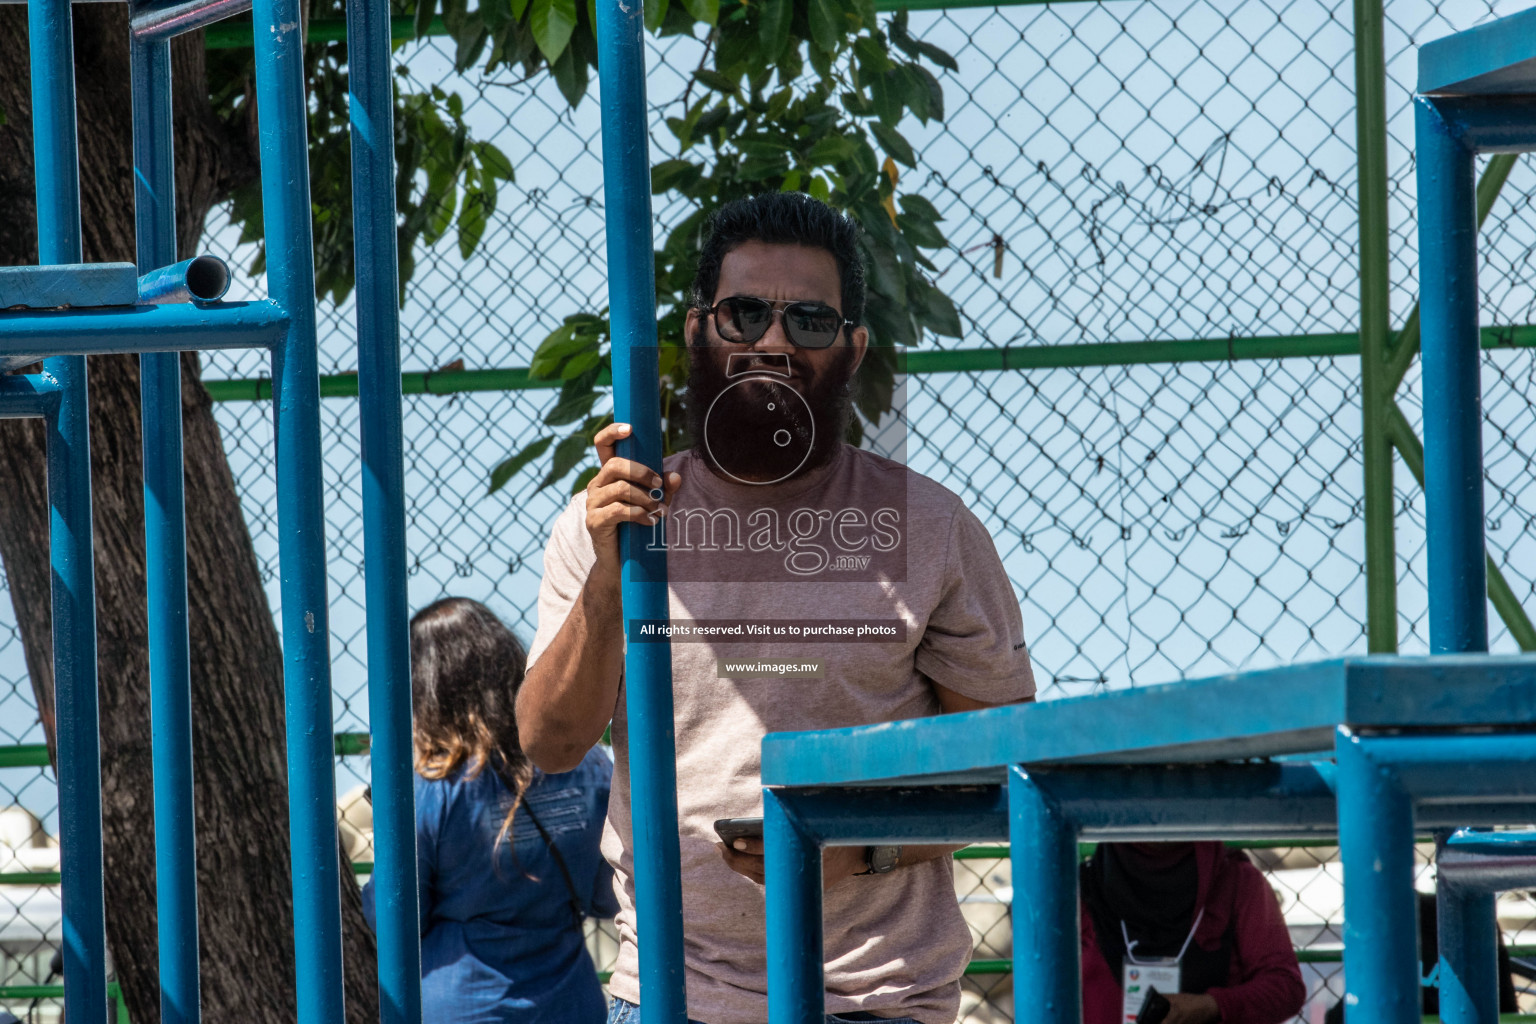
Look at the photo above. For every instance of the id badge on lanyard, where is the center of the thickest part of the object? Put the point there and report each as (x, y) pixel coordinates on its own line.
(1139, 974)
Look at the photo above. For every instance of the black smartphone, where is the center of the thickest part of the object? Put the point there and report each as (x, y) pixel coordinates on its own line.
(731, 829)
(1154, 1009)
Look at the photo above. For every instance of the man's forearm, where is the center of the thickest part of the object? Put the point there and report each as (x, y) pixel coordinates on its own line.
(568, 696)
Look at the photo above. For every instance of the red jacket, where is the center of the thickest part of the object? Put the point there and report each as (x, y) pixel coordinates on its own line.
(1264, 982)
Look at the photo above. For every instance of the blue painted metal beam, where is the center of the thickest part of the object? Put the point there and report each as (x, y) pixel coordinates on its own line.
(1109, 803)
(792, 866)
(27, 336)
(57, 169)
(1047, 971)
(1468, 936)
(371, 112)
(1376, 829)
(1488, 124)
(648, 667)
(165, 547)
(166, 19)
(1495, 58)
(285, 198)
(77, 285)
(1266, 713)
(27, 395)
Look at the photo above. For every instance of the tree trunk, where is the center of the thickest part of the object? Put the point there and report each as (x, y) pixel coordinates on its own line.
(245, 911)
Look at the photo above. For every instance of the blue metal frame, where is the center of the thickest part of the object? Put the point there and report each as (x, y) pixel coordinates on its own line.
(157, 315)
(165, 549)
(57, 169)
(371, 106)
(636, 387)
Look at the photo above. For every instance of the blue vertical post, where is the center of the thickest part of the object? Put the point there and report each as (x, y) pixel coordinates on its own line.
(57, 167)
(165, 551)
(1453, 420)
(1047, 968)
(1469, 954)
(301, 535)
(636, 401)
(1381, 935)
(371, 110)
(792, 865)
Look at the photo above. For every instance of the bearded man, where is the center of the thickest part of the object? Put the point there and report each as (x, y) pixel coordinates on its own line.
(812, 585)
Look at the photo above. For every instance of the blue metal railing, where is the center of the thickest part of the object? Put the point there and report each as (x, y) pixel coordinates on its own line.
(285, 323)
(636, 387)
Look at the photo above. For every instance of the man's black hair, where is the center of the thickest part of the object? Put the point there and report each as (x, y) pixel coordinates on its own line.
(783, 218)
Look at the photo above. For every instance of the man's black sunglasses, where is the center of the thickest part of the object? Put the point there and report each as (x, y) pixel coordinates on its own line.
(744, 319)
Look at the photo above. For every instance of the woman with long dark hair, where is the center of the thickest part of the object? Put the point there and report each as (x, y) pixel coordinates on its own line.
(508, 855)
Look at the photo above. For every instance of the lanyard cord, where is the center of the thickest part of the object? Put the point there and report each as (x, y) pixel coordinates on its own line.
(570, 886)
(1130, 946)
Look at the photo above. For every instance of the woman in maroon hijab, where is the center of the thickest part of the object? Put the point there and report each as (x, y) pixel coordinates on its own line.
(1195, 921)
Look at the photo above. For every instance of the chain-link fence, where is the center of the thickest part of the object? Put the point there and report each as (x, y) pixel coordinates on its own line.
(1110, 172)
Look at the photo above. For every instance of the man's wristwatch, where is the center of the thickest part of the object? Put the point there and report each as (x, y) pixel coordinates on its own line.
(880, 859)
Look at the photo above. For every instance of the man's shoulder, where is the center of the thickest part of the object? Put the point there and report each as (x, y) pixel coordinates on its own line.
(923, 494)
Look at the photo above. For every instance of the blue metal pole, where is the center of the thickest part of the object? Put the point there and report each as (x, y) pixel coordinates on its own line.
(1381, 936)
(792, 863)
(1047, 968)
(636, 390)
(1469, 953)
(1453, 446)
(371, 106)
(165, 551)
(57, 168)
(301, 530)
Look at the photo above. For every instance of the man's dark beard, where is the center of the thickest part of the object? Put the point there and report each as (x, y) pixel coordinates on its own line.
(741, 451)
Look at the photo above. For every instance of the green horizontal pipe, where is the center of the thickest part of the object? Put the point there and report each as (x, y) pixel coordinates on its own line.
(24, 755)
(344, 385)
(973, 360)
(114, 991)
(35, 755)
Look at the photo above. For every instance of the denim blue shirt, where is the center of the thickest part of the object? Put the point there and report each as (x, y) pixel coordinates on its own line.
(500, 941)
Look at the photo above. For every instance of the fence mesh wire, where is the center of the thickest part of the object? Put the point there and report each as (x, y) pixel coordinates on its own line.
(1109, 172)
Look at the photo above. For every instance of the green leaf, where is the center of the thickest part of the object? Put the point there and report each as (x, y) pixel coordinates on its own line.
(570, 408)
(552, 22)
(933, 309)
(916, 206)
(920, 232)
(558, 346)
(567, 454)
(472, 221)
(894, 144)
(580, 363)
(773, 26)
(655, 13)
(425, 11)
(495, 162)
(921, 82)
(826, 17)
(716, 81)
(507, 468)
(441, 206)
(707, 11)
(570, 76)
(582, 479)
(518, 7)
(832, 149)
(670, 174)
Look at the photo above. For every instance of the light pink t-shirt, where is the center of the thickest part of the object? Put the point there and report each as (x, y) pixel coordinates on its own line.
(891, 550)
